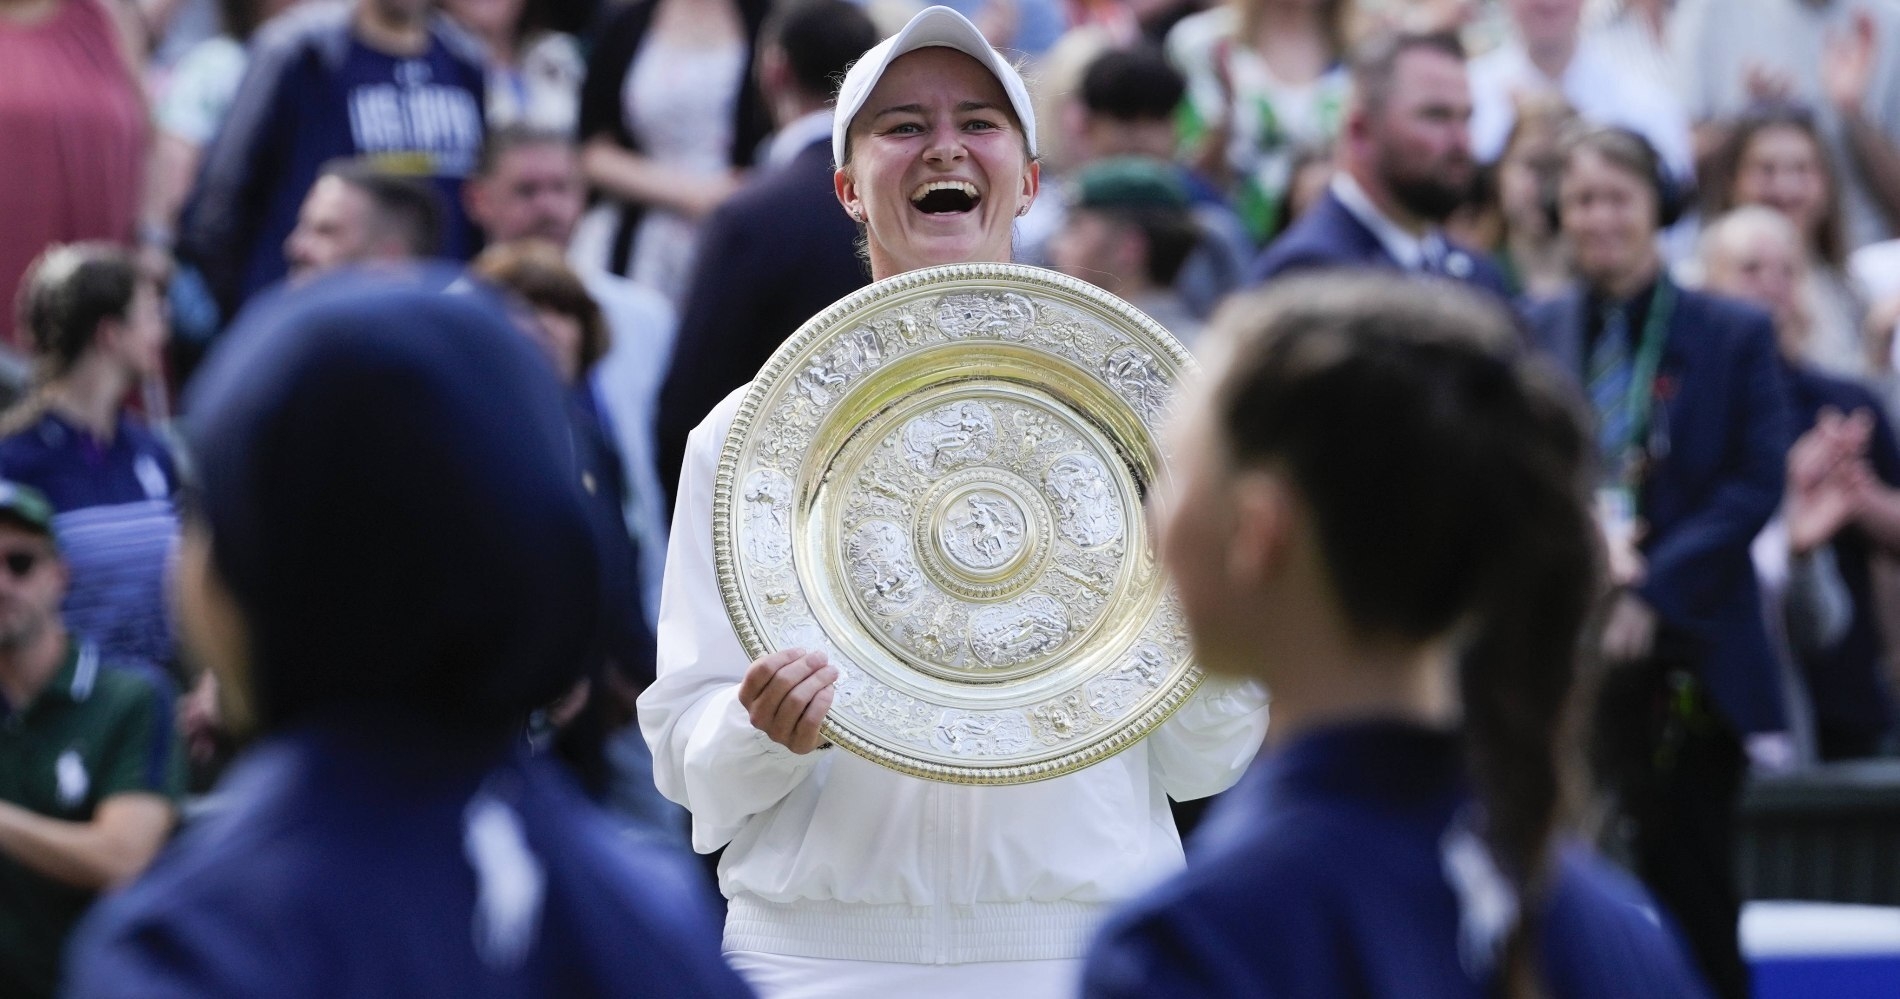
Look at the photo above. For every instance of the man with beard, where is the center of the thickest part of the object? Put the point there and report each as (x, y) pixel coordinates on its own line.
(1404, 164)
(90, 769)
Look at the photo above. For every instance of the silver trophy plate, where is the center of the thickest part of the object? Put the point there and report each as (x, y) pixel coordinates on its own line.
(939, 482)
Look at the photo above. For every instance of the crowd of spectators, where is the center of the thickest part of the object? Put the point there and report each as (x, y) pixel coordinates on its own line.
(1693, 206)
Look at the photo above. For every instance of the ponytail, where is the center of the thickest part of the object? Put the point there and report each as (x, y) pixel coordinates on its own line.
(65, 294)
(1447, 475)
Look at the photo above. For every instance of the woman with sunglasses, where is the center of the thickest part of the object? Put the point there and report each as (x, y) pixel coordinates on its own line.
(845, 878)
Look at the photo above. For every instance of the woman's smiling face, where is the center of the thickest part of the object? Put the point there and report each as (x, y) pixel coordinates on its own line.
(938, 166)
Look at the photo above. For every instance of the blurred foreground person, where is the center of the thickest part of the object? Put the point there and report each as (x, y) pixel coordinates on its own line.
(90, 771)
(600, 742)
(1692, 430)
(390, 564)
(1382, 512)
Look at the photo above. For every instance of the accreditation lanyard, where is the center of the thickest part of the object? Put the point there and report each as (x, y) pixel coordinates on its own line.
(1640, 402)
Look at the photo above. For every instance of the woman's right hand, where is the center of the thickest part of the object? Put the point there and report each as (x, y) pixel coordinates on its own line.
(786, 695)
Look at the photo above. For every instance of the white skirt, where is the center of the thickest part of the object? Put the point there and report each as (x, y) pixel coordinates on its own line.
(776, 976)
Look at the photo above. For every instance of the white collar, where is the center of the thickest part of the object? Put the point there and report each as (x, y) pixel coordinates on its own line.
(1410, 251)
(791, 140)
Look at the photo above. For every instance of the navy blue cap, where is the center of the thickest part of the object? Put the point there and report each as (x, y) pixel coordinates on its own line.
(389, 479)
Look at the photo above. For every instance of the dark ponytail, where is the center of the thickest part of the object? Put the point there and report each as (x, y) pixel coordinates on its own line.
(65, 294)
(1448, 479)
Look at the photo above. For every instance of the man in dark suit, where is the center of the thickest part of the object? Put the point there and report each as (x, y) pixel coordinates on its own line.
(780, 250)
(1404, 164)
(1693, 424)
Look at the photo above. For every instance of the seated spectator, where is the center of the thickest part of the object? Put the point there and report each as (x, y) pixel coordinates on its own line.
(534, 74)
(1380, 511)
(1266, 78)
(1774, 156)
(385, 622)
(380, 80)
(1404, 164)
(1835, 56)
(97, 327)
(1843, 482)
(1691, 430)
(358, 214)
(1550, 57)
(90, 770)
(1128, 231)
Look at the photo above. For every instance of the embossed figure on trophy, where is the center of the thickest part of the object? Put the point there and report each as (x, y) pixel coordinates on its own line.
(1005, 317)
(1087, 511)
(950, 437)
(867, 349)
(1032, 428)
(987, 530)
(768, 499)
(1062, 720)
(882, 566)
(1008, 634)
(818, 380)
(1133, 373)
(963, 733)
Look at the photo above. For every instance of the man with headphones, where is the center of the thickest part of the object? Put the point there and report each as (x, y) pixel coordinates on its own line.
(1692, 425)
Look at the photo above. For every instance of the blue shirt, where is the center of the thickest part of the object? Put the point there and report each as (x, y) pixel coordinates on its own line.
(114, 514)
(366, 857)
(1341, 866)
(314, 92)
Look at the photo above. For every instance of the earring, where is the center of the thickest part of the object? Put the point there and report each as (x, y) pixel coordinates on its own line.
(1020, 212)
(857, 216)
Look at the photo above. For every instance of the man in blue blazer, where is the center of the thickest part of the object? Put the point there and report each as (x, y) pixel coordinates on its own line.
(1404, 165)
(780, 250)
(1693, 427)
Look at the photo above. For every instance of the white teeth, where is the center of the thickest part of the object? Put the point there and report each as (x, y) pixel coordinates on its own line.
(943, 185)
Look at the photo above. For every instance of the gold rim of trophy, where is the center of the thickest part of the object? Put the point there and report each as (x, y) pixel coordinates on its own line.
(939, 481)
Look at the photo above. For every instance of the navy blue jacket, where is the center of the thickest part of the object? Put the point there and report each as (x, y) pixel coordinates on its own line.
(1330, 236)
(1846, 682)
(312, 93)
(1718, 444)
(779, 252)
(391, 865)
(1323, 874)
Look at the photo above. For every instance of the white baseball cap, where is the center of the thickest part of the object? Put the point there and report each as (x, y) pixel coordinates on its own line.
(932, 27)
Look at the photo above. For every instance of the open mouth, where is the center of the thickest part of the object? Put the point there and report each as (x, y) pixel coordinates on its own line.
(945, 197)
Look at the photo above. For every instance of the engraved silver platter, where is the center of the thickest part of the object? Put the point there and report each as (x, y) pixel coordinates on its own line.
(939, 481)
